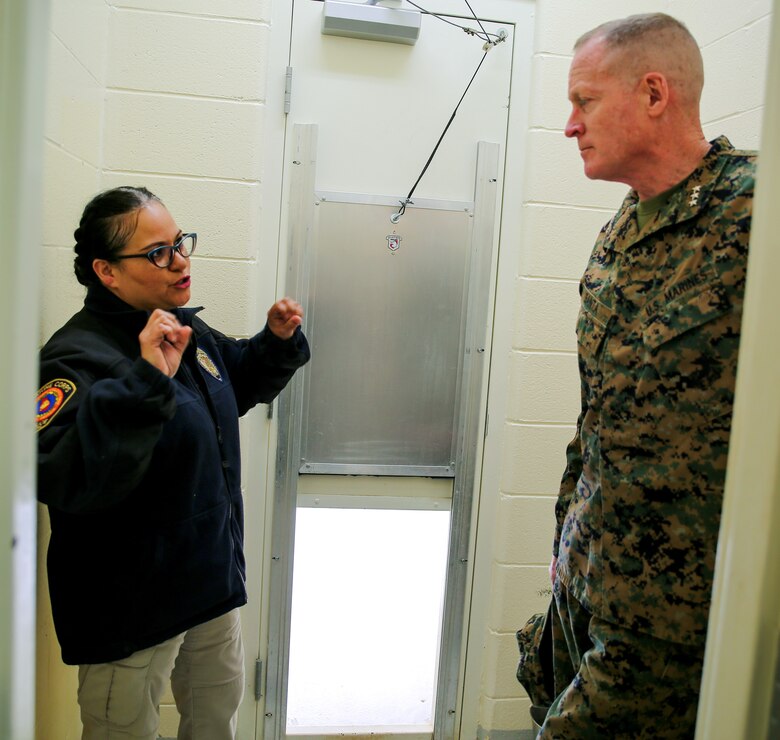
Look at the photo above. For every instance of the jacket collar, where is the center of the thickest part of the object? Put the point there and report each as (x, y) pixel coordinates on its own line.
(102, 302)
(688, 201)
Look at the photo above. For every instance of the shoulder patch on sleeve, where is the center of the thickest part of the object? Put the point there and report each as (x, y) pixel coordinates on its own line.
(51, 398)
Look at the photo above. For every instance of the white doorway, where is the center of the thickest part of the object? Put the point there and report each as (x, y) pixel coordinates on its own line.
(363, 119)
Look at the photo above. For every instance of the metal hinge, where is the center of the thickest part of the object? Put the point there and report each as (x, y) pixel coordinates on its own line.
(287, 89)
(258, 680)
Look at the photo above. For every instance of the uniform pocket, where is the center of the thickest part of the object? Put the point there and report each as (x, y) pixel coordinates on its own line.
(190, 570)
(123, 697)
(592, 324)
(690, 350)
(685, 314)
(535, 667)
(116, 695)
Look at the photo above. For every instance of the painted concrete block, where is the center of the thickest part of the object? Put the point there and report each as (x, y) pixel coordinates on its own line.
(224, 288)
(708, 26)
(163, 134)
(526, 525)
(169, 720)
(561, 22)
(534, 457)
(187, 55)
(555, 175)
(501, 655)
(505, 714)
(248, 10)
(743, 129)
(68, 184)
(735, 80)
(549, 92)
(520, 591)
(557, 241)
(543, 387)
(61, 294)
(225, 215)
(74, 105)
(546, 315)
(80, 25)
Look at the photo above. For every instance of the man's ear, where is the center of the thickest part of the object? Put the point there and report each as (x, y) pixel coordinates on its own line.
(105, 272)
(656, 88)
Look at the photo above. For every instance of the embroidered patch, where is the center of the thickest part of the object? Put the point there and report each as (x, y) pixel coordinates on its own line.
(51, 398)
(207, 364)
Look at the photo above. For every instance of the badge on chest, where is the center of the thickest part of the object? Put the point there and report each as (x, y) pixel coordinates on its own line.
(207, 364)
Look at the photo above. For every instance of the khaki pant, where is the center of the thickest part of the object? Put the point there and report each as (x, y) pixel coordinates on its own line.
(121, 700)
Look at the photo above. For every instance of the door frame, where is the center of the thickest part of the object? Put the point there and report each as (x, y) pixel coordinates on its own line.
(23, 55)
(501, 302)
(739, 695)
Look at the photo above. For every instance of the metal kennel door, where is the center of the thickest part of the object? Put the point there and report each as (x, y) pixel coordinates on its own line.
(386, 421)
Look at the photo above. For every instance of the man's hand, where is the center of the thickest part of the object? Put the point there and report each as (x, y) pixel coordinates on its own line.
(284, 317)
(553, 564)
(163, 341)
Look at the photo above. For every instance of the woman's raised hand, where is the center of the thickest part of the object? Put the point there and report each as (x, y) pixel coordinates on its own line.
(284, 317)
(163, 341)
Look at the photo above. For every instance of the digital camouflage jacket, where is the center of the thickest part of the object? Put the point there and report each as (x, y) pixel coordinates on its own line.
(658, 334)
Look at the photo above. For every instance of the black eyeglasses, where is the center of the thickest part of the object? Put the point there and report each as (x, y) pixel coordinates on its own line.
(163, 256)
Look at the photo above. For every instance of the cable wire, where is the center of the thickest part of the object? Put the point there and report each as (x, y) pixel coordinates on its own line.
(489, 44)
(397, 216)
(479, 22)
(470, 31)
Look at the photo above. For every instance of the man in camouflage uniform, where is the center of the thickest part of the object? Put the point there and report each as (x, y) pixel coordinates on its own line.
(658, 333)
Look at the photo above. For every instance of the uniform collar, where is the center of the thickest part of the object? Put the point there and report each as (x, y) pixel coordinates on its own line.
(103, 302)
(689, 200)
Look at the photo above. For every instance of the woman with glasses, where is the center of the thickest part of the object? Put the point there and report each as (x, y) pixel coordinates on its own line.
(139, 466)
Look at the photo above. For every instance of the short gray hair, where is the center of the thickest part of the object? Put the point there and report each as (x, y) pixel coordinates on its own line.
(657, 42)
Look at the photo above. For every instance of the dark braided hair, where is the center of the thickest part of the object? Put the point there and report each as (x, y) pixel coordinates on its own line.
(107, 224)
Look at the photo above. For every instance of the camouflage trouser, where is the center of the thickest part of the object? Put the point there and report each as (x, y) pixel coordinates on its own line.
(614, 683)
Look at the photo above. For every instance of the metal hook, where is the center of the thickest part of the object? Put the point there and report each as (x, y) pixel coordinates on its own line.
(396, 217)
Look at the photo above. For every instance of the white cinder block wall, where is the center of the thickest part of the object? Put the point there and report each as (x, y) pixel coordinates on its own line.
(184, 115)
(73, 143)
(562, 214)
(167, 94)
(171, 94)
